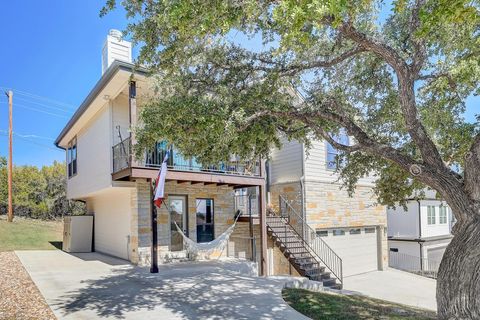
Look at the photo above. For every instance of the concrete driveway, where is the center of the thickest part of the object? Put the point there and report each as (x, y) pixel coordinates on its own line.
(395, 286)
(94, 286)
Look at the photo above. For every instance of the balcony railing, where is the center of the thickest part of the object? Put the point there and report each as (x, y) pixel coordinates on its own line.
(154, 157)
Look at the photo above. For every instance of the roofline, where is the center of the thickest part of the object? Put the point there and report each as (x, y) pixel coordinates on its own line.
(104, 80)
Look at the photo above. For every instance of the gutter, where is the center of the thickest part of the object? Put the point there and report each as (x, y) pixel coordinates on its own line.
(419, 219)
(99, 86)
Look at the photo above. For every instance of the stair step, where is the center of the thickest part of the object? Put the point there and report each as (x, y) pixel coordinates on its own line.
(329, 282)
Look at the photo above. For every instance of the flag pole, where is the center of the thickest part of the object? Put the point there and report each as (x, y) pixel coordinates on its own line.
(154, 251)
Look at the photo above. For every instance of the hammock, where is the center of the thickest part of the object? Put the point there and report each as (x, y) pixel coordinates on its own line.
(205, 249)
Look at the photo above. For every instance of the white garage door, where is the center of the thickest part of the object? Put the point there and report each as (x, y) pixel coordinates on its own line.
(356, 246)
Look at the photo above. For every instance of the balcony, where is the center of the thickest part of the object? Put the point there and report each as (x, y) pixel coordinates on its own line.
(153, 158)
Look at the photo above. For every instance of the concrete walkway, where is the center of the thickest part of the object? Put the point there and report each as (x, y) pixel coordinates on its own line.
(395, 286)
(94, 286)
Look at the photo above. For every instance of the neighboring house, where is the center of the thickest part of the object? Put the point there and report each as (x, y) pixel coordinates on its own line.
(353, 227)
(116, 187)
(419, 234)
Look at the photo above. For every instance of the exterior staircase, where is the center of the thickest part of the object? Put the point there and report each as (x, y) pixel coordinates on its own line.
(306, 252)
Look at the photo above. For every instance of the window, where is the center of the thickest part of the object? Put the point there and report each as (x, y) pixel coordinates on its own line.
(355, 231)
(394, 249)
(205, 220)
(338, 232)
(369, 230)
(431, 215)
(334, 155)
(442, 215)
(322, 233)
(72, 157)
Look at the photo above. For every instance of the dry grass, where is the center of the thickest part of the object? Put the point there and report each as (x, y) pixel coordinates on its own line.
(19, 297)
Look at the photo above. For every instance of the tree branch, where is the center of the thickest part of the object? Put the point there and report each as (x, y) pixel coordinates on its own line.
(406, 81)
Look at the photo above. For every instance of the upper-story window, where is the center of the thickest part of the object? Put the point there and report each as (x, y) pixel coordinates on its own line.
(442, 216)
(431, 215)
(72, 157)
(333, 154)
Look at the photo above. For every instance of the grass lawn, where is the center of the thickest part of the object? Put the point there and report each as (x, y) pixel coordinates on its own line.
(29, 234)
(332, 306)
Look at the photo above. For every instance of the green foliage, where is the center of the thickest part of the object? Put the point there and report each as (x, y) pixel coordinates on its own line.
(215, 96)
(37, 193)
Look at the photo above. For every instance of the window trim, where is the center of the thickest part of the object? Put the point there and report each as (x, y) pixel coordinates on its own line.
(445, 210)
(70, 161)
(431, 220)
(327, 144)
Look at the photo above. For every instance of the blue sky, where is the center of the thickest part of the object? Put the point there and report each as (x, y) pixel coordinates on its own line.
(50, 49)
(51, 58)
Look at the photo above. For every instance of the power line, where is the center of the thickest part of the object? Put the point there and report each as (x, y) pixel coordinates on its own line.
(38, 97)
(29, 135)
(33, 142)
(45, 105)
(40, 110)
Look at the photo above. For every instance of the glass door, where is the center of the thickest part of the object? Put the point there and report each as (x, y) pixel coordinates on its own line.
(178, 215)
(205, 220)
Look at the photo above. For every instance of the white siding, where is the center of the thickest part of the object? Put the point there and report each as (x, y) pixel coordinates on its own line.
(120, 117)
(436, 229)
(94, 156)
(112, 217)
(410, 248)
(404, 223)
(316, 165)
(286, 163)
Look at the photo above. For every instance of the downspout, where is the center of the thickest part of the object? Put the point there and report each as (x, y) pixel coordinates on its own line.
(420, 233)
(302, 189)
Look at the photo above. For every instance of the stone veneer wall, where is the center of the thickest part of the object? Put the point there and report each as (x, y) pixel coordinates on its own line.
(223, 217)
(328, 206)
(278, 264)
(292, 191)
(239, 246)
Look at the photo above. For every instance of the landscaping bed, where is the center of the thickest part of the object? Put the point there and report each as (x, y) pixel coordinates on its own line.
(332, 306)
(20, 298)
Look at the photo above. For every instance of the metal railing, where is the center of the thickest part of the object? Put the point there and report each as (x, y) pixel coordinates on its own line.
(315, 243)
(247, 205)
(422, 266)
(154, 157)
(121, 155)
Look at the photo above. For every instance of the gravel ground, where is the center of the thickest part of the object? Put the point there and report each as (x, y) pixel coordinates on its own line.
(19, 297)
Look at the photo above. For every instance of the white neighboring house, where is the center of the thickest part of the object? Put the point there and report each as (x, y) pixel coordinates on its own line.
(419, 235)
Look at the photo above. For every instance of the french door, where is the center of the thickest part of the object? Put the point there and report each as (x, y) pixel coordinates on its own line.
(178, 215)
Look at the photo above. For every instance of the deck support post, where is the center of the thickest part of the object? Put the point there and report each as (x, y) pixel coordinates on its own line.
(154, 249)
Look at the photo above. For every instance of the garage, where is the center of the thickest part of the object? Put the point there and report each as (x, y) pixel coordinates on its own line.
(356, 246)
(111, 210)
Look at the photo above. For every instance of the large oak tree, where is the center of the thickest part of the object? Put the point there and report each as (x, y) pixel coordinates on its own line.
(394, 75)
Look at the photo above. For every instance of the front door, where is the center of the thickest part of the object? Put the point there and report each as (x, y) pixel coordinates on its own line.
(178, 215)
(205, 220)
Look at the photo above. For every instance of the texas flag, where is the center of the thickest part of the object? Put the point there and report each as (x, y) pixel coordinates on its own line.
(160, 183)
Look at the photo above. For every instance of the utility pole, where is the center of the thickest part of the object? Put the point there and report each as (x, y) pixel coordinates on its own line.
(10, 165)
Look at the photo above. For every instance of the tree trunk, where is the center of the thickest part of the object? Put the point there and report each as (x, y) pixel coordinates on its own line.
(458, 283)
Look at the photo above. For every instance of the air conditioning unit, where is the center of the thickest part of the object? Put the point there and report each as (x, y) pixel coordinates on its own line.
(77, 233)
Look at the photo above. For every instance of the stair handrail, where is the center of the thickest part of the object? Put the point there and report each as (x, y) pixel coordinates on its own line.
(327, 255)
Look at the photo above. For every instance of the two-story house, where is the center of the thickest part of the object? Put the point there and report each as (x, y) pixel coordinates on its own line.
(117, 187)
(353, 227)
(419, 233)
(204, 199)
